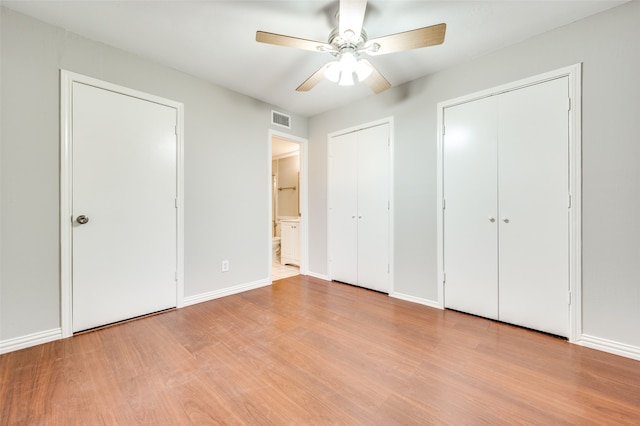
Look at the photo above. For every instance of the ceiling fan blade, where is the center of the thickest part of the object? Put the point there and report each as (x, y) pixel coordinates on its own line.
(314, 79)
(288, 41)
(414, 39)
(351, 16)
(376, 81)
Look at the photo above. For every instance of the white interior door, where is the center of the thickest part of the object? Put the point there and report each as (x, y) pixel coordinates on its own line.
(124, 181)
(343, 208)
(534, 210)
(373, 208)
(470, 208)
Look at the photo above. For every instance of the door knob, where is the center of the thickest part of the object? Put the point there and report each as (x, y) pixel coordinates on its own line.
(505, 219)
(82, 219)
(492, 219)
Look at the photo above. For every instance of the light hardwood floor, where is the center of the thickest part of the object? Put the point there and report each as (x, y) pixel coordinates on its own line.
(306, 351)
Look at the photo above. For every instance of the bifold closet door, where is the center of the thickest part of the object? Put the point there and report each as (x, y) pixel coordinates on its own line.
(373, 208)
(470, 216)
(359, 208)
(533, 145)
(506, 207)
(343, 208)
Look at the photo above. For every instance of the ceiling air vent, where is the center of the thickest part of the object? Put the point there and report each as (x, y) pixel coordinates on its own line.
(280, 119)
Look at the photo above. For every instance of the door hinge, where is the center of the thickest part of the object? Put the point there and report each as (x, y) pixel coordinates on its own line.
(388, 205)
(568, 104)
(443, 204)
(175, 276)
(569, 200)
(444, 278)
(569, 301)
(175, 202)
(175, 130)
(388, 268)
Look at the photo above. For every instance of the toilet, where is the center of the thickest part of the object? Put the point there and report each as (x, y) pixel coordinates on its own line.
(275, 249)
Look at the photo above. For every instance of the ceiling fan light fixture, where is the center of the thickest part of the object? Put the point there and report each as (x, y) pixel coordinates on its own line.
(363, 70)
(346, 78)
(332, 73)
(348, 60)
(343, 69)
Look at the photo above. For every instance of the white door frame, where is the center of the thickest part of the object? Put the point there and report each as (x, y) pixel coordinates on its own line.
(574, 74)
(304, 200)
(391, 254)
(67, 79)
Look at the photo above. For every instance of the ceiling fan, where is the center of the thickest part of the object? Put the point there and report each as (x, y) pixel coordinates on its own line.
(349, 41)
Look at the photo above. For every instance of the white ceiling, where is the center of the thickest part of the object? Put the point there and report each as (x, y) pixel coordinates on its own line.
(215, 39)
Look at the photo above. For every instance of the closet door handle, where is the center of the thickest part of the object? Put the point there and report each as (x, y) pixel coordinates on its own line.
(505, 219)
(492, 219)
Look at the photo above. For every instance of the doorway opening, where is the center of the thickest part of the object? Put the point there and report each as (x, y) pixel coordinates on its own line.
(287, 194)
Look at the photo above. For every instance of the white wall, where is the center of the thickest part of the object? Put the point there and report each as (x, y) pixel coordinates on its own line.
(226, 169)
(607, 46)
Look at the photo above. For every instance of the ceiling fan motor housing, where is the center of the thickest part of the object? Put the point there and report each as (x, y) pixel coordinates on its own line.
(339, 41)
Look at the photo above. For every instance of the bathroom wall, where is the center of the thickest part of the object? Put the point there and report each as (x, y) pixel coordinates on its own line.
(288, 177)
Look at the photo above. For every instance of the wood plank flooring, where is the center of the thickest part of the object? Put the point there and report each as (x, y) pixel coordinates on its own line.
(306, 351)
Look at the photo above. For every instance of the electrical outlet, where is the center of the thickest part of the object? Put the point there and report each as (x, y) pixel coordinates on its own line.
(225, 266)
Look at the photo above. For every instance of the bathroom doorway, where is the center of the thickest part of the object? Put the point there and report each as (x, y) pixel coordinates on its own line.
(287, 194)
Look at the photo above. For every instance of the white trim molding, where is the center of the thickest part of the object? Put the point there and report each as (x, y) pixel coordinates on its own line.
(610, 346)
(29, 340)
(216, 294)
(419, 300)
(67, 79)
(318, 276)
(574, 74)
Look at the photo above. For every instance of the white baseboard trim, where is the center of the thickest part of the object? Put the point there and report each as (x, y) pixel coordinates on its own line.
(610, 346)
(319, 276)
(421, 301)
(29, 340)
(216, 294)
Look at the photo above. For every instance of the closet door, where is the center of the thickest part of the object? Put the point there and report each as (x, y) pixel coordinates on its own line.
(343, 208)
(359, 208)
(470, 214)
(534, 216)
(373, 208)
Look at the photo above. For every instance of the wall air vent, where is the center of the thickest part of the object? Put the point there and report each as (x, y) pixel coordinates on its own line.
(280, 119)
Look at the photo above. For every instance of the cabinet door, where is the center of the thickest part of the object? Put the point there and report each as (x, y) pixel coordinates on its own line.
(343, 208)
(534, 215)
(470, 214)
(373, 208)
(286, 242)
(295, 250)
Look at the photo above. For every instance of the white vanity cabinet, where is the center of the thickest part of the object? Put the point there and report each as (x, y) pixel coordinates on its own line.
(290, 242)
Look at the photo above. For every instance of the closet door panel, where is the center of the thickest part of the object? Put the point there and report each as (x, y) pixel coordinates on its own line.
(470, 215)
(343, 208)
(373, 208)
(534, 217)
